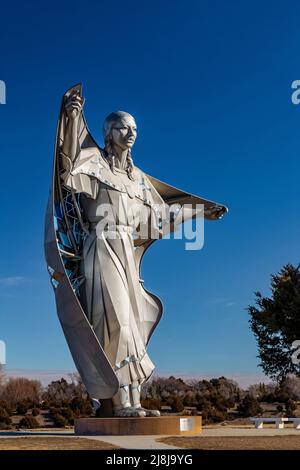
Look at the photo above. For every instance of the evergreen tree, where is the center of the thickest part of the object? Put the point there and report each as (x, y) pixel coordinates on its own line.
(275, 322)
(249, 406)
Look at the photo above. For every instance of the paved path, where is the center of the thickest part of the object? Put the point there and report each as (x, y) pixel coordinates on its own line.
(134, 442)
(149, 442)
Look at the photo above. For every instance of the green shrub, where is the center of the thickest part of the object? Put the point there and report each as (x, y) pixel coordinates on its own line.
(7, 406)
(59, 421)
(189, 400)
(217, 416)
(210, 413)
(249, 406)
(29, 422)
(81, 406)
(151, 403)
(5, 427)
(68, 414)
(22, 408)
(176, 403)
(45, 405)
(290, 408)
(291, 405)
(4, 416)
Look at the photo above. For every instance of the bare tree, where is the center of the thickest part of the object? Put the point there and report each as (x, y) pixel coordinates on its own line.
(291, 386)
(19, 389)
(63, 390)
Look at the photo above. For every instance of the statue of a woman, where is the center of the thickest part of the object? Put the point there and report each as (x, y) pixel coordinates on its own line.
(103, 213)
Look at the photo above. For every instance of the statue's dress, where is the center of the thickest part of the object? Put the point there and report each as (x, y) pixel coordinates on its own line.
(118, 308)
(106, 313)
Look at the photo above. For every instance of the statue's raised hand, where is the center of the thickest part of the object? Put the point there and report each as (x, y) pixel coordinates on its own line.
(73, 105)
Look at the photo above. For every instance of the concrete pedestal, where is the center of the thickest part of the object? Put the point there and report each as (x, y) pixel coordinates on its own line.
(162, 425)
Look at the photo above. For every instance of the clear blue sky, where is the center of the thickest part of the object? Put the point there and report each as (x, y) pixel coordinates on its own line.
(209, 83)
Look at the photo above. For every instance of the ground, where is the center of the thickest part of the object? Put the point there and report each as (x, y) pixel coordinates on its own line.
(53, 443)
(235, 443)
(214, 437)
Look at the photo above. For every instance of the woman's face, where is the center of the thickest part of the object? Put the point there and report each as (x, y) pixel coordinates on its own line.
(124, 132)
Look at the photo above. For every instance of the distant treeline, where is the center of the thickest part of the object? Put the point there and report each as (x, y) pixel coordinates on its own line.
(25, 403)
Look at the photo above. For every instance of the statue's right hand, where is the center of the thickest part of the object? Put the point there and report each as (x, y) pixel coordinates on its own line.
(73, 105)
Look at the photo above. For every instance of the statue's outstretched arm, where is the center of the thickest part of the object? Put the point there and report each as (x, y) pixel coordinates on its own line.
(190, 204)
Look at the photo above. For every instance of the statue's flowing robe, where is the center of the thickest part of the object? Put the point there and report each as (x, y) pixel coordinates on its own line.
(109, 319)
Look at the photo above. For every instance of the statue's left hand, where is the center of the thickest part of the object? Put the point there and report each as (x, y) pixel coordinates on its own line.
(217, 212)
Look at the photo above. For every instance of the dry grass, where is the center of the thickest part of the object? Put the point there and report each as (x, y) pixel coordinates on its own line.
(53, 443)
(235, 443)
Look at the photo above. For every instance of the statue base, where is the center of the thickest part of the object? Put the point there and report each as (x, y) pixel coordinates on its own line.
(162, 425)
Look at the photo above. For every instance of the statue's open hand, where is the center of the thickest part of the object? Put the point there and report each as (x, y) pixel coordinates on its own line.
(73, 105)
(217, 211)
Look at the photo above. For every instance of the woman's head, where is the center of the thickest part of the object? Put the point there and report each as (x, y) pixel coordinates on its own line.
(119, 130)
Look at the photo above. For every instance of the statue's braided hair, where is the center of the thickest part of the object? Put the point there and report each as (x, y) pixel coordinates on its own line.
(107, 127)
